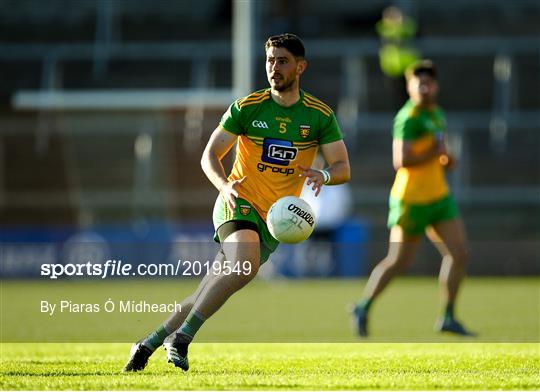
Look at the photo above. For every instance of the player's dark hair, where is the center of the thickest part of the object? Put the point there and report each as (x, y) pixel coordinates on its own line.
(289, 41)
(421, 67)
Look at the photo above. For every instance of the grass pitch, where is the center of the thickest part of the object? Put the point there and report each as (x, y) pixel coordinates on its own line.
(294, 335)
(277, 366)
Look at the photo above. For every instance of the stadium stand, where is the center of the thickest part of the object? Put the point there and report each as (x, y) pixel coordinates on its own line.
(63, 166)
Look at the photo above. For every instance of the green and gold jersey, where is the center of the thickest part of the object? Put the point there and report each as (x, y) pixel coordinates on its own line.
(273, 140)
(426, 182)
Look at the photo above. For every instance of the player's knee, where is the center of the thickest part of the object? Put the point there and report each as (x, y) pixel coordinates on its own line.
(242, 248)
(398, 262)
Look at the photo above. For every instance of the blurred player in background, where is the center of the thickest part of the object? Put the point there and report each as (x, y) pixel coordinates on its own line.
(278, 131)
(420, 200)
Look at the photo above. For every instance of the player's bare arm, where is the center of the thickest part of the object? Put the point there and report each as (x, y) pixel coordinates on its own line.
(335, 154)
(446, 159)
(218, 146)
(403, 155)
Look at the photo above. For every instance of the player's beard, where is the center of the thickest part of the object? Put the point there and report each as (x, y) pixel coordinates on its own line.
(287, 85)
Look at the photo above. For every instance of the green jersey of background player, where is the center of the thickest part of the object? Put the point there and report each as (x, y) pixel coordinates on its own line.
(277, 132)
(420, 200)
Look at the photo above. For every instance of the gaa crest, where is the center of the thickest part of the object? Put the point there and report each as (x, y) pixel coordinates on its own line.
(245, 209)
(305, 131)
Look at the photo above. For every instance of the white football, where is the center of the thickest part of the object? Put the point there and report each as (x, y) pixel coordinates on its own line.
(290, 220)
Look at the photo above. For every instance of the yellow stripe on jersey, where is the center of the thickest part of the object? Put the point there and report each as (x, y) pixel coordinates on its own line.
(251, 97)
(324, 109)
(311, 99)
(257, 140)
(316, 104)
(307, 147)
(254, 95)
(305, 143)
(225, 208)
(247, 103)
(314, 101)
(254, 99)
(260, 139)
(319, 108)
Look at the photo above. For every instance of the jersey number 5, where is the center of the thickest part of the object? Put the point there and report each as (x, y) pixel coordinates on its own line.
(282, 127)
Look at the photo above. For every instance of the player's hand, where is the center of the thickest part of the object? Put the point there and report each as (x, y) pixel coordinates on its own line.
(447, 161)
(315, 178)
(229, 192)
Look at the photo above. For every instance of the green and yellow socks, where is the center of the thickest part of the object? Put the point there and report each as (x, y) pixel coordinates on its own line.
(364, 304)
(156, 338)
(187, 331)
(191, 325)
